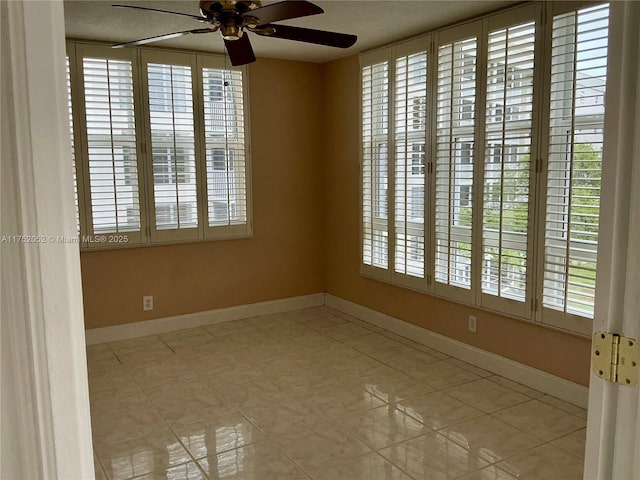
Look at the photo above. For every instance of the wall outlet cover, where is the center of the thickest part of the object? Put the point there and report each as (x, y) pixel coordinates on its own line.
(473, 323)
(147, 302)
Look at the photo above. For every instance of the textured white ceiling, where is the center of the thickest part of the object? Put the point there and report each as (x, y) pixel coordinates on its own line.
(374, 22)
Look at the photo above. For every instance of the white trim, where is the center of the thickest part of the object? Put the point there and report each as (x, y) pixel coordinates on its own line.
(147, 234)
(613, 422)
(209, 317)
(49, 428)
(524, 374)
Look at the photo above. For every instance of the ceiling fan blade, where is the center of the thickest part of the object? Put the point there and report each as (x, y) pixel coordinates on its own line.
(283, 11)
(166, 36)
(161, 11)
(240, 50)
(308, 35)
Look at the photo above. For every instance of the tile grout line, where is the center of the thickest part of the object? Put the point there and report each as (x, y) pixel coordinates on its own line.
(154, 408)
(387, 404)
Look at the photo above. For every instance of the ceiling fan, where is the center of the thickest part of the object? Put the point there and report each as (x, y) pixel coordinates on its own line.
(233, 18)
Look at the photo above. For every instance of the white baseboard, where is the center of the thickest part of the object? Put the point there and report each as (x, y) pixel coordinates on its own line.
(210, 317)
(518, 372)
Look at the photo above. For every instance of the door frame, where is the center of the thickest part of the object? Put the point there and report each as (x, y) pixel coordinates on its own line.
(613, 423)
(46, 427)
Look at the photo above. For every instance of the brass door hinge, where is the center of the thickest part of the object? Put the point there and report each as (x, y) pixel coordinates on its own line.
(615, 358)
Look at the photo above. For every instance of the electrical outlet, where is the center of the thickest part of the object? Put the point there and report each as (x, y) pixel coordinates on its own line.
(147, 302)
(473, 323)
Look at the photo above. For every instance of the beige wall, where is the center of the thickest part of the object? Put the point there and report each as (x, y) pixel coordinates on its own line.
(283, 259)
(558, 353)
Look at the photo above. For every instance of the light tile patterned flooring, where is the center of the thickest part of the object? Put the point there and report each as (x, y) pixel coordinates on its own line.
(315, 394)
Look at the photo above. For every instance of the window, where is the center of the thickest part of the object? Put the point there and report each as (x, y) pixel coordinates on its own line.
(162, 144)
(409, 134)
(464, 150)
(419, 113)
(465, 196)
(170, 167)
(455, 99)
(409, 138)
(578, 82)
(110, 139)
(417, 159)
(417, 203)
(170, 214)
(394, 152)
(375, 130)
(465, 111)
(505, 217)
(217, 160)
(495, 194)
(223, 202)
(166, 92)
(172, 138)
(224, 125)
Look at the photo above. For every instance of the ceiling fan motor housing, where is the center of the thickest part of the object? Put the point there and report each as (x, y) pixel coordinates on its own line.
(229, 15)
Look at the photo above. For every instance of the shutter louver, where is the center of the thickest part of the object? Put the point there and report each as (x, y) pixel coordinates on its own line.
(509, 107)
(173, 146)
(225, 147)
(578, 80)
(111, 145)
(409, 174)
(375, 164)
(455, 140)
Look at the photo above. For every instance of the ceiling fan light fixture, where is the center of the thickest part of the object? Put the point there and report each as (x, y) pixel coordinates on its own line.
(231, 31)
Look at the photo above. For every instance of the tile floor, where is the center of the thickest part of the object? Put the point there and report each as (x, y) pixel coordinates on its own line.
(315, 394)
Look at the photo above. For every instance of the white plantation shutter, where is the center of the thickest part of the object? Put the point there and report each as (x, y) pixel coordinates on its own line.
(375, 164)
(172, 142)
(160, 146)
(226, 161)
(508, 228)
(508, 145)
(454, 167)
(410, 126)
(111, 142)
(578, 81)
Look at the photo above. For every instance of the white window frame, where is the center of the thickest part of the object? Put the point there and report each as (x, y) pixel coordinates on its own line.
(148, 233)
(76, 132)
(449, 36)
(544, 315)
(232, 229)
(413, 136)
(367, 188)
(389, 274)
(530, 308)
(521, 309)
(180, 60)
(88, 237)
